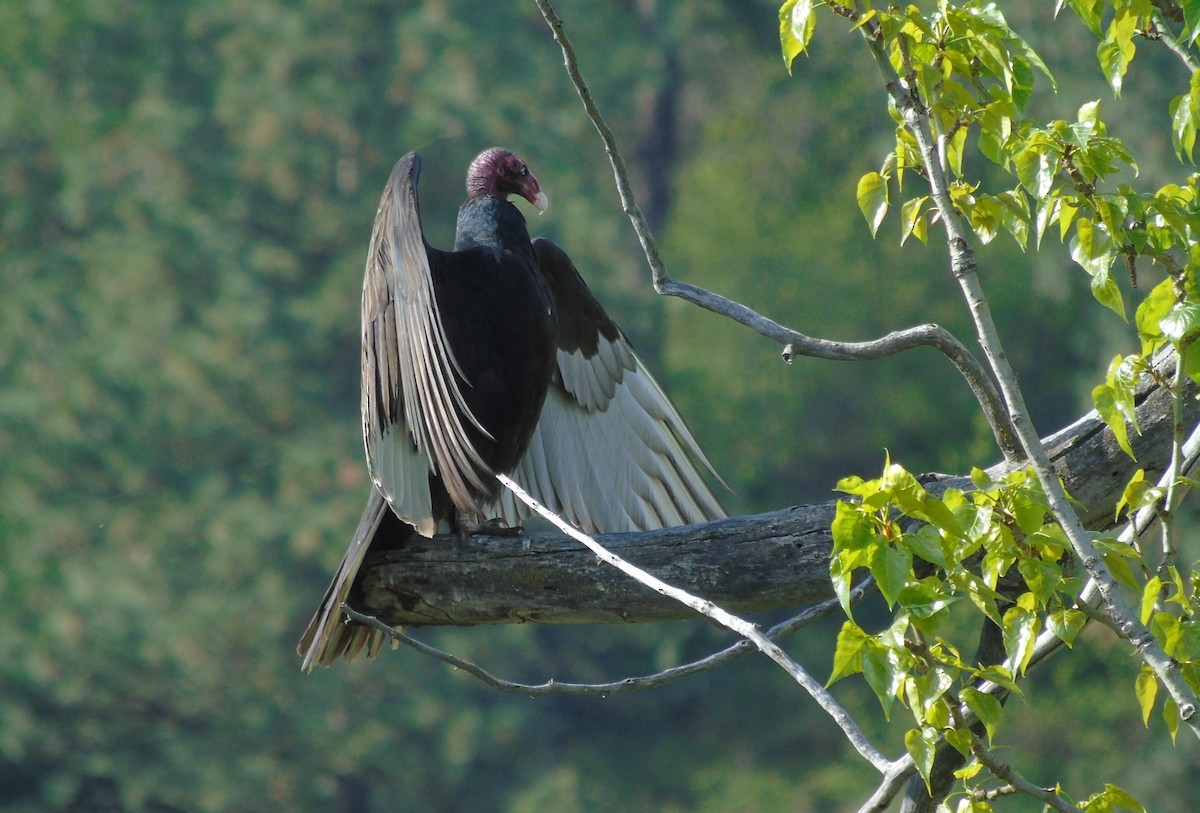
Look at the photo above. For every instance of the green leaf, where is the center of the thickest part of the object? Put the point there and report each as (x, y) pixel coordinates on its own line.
(841, 572)
(873, 199)
(985, 218)
(1014, 215)
(954, 149)
(891, 569)
(969, 771)
(1121, 798)
(1020, 632)
(1066, 624)
(995, 126)
(1036, 168)
(1067, 209)
(1112, 797)
(982, 596)
(912, 221)
(1105, 400)
(1089, 11)
(884, 674)
(1119, 566)
(1030, 513)
(1181, 322)
(1191, 16)
(1168, 629)
(907, 493)
(1170, 715)
(1154, 307)
(999, 675)
(1117, 49)
(982, 480)
(986, 707)
(847, 657)
(853, 531)
(1047, 212)
(796, 22)
(926, 542)
(937, 512)
(1093, 249)
(1106, 291)
(921, 744)
(923, 600)
(1138, 494)
(1150, 597)
(1042, 577)
(1146, 688)
(857, 486)
(1183, 126)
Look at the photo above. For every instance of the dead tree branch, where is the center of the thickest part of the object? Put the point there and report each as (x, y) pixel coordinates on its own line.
(746, 564)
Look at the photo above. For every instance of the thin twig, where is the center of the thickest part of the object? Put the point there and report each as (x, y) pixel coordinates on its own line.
(969, 367)
(628, 204)
(707, 608)
(1007, 773)
(639, 683)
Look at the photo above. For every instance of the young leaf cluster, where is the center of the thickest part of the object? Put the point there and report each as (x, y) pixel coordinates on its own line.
(990, 552)
(975, 76)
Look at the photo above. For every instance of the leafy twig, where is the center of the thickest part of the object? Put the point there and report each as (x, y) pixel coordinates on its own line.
(965, 272)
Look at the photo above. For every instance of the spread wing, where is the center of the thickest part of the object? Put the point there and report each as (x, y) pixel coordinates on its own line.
(610, 452)
(413, 410)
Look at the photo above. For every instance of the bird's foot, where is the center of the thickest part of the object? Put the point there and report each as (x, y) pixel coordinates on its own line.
(490, 527)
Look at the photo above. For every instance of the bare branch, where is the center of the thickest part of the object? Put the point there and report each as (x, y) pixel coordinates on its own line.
(744, 628)
(793, 341)
(893, 782)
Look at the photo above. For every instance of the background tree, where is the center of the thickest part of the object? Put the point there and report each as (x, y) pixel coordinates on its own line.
(188, 189)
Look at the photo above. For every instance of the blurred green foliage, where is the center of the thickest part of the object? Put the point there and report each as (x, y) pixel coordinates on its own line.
(186, 191)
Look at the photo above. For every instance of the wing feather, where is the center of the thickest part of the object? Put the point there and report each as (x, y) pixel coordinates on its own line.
(414, 414)
(610, 451)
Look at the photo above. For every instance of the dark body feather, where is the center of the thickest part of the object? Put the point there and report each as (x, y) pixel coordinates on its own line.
(501, 328)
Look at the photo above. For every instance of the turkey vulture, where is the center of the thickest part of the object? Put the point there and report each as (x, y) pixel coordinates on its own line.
(496, 358)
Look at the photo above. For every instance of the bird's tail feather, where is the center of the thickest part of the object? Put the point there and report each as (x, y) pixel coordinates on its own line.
(330, 635)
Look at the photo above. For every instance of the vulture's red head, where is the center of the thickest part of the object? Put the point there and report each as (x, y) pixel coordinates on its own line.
(497, 173)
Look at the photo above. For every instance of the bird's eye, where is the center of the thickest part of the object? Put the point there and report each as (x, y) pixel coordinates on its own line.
(524, 171)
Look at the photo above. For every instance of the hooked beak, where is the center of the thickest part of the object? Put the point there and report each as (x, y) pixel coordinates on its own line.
(541, 202)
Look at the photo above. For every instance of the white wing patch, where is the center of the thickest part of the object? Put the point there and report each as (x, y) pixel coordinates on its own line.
(610, 452)
(402, 476)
